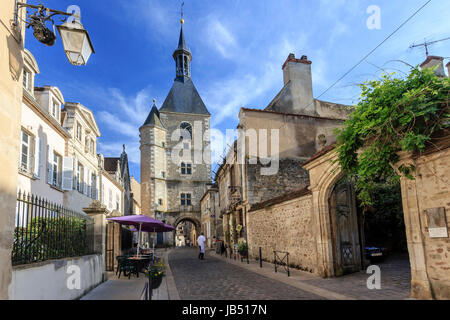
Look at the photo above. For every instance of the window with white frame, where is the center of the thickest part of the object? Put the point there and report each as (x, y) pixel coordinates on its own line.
(26, 79)
(117, 202)
(92, 147)
(56, 164)
(185, 199)
(80, 177)
(79, 132)
(25, 152)
(56, 108)
(93, 186)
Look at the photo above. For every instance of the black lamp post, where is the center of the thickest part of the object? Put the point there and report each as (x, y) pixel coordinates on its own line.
(76, 41)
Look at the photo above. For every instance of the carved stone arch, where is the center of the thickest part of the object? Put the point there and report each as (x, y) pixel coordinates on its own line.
(189, 218)
(324, 174)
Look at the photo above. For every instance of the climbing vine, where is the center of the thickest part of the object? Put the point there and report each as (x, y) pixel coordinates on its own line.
(394, 114)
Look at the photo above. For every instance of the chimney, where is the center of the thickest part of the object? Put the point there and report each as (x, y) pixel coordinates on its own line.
(298, 72)
(433, 61)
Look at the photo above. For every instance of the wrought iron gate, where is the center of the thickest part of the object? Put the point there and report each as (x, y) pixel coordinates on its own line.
(109, 263)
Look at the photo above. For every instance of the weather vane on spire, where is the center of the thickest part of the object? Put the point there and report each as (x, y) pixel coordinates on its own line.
(182, 20)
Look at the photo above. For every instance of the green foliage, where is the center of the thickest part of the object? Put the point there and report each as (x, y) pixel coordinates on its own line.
(49, 238)
(242, 248)
(157, 270)
(393, 115)
(234, 232)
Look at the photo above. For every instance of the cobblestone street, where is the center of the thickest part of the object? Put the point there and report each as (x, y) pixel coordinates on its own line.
(216, 278)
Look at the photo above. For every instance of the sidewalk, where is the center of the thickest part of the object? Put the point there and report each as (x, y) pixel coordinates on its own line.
(395, 283)
(131, 289)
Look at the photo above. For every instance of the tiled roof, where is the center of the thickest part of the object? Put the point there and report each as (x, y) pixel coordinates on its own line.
(111, 164)
(184, 98)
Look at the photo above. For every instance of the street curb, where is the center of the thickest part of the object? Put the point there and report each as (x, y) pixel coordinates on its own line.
(292, 281)
(172, 290)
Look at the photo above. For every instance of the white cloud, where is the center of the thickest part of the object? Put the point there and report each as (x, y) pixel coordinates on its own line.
(114, 149)
(220, 38)
(124, 117)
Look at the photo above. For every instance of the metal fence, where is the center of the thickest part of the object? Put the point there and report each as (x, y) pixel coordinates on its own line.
(46, 231)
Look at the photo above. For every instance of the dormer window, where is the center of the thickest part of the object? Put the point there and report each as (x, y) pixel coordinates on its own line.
(92, 147)
(79, 132)
(27, 79)
(55, 109)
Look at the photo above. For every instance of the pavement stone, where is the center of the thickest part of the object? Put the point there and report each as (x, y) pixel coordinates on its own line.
(214, 279)
(220, 278)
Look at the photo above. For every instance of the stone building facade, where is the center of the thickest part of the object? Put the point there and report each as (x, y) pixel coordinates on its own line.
(171, 187)
(426, 210)
(12, 40)
(136, 195)
(212, 225)
(274, 144)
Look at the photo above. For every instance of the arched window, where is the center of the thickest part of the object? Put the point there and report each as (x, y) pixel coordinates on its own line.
(186, 131)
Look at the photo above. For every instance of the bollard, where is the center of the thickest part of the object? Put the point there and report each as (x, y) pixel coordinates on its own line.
(287, 257)
(260, 257)
(275, 260)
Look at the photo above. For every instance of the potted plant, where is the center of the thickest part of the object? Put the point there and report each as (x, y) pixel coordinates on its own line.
(243, 249)
(156, 273)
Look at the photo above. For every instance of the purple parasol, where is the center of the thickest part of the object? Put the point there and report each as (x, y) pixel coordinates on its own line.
(163, 228)
(137, 220)
(142, 222)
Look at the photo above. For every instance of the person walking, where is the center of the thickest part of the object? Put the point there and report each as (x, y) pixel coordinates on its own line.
(201, 242)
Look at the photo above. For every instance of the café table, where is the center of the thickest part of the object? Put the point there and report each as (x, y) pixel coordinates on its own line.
(141, 262)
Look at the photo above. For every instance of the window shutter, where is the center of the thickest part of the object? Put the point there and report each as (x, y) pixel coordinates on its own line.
(75, 175)
(67, 174)
(85, 182)
(37, 157)
(89, 183)
(49, 165)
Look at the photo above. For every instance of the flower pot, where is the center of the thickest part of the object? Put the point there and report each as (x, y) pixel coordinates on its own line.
(156, 281)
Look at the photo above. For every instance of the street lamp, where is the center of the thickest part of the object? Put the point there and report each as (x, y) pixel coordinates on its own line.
(76, 41)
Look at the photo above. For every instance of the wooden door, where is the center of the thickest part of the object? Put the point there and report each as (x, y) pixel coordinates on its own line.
(344, 229)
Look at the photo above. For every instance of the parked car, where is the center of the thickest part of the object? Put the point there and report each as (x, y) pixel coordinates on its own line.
(375, 253)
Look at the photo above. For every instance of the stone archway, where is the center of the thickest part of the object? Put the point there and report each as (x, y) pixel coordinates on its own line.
(190, 218)
(324, 174)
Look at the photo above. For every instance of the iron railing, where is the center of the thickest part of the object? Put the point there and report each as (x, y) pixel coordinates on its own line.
(46, 231)
(281, 258)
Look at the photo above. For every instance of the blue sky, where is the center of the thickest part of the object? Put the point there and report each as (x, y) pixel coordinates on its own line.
(238, 47)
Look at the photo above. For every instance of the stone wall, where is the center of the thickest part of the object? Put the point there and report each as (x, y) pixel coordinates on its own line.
(11, 66)
(285, 226)
(291, 176)
(429, 256)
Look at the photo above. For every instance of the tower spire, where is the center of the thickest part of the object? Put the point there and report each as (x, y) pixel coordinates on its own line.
(182, 55)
